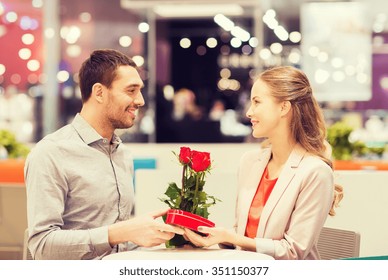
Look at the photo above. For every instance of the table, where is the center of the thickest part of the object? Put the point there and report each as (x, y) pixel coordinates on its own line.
(187, 254)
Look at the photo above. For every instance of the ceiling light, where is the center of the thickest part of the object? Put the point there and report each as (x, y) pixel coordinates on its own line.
(187, 11)
(25, 53)
(185, 43)
(2, 69)
(240, 33)
(224, 22)
(125, 41)
(253, 42)
(211, 42)
(144, 27)
(28, 38)
(235, 43)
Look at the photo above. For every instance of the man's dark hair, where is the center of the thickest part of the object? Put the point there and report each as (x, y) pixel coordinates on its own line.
(101, 67)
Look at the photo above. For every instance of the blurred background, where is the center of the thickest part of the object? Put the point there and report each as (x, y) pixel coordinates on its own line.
(198, 60)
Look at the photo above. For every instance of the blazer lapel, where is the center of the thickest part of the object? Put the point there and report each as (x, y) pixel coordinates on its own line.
(284, 180)
(251, 181)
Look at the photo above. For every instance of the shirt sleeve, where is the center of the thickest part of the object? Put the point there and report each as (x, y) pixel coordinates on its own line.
(46, 195)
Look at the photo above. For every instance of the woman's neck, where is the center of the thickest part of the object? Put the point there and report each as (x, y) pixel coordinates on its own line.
(281, 150)
(279, 156)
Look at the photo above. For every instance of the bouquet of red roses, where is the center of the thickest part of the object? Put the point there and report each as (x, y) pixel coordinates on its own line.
(190, 196)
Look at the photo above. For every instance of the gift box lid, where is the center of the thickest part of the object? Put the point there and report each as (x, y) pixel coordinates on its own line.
(187, 219)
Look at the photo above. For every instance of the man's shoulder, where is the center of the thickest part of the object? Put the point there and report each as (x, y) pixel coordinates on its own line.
(55, 139)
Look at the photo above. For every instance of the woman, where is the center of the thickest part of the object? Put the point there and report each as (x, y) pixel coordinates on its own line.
(286, 189)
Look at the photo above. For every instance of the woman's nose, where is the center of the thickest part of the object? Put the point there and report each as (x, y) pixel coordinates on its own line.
(248, 113)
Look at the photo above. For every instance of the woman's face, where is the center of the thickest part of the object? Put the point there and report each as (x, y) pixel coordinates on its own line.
(264, 112)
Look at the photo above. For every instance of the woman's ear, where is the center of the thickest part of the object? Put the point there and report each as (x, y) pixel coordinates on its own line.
(98, 92)
(285, 108)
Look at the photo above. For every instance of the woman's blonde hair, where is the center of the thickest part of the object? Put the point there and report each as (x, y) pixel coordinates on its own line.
(308, 128)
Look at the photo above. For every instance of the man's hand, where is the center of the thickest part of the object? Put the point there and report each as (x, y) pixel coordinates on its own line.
(144, 230)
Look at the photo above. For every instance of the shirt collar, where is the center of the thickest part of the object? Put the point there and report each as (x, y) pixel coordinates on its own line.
(116, 141)
(88, 133)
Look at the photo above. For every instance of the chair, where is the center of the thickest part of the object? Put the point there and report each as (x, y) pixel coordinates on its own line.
(338, 244)
(26, 252)
(142, 163)
(13, 219)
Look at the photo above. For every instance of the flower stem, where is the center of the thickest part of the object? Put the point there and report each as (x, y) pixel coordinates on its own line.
(183, 180)
(196, 192)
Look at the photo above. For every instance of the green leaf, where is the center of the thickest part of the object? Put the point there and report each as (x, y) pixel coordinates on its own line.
(189, 195)
(190, 183)
(177, 203)
(173, 191)
(202, 197)
(186, 205)
(202, 212)
(214, 199)
(177, 241)
(166, 201)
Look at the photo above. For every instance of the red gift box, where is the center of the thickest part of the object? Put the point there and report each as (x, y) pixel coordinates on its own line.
(187, 219)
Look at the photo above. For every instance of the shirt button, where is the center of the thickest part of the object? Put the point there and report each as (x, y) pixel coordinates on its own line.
(104, 141)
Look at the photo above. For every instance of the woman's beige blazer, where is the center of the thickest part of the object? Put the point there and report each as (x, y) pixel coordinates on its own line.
(297, 208)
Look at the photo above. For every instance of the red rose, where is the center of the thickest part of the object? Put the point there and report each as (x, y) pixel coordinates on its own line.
(185, 155)
(200, 161)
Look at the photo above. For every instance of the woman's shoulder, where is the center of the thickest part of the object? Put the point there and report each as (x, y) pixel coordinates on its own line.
(314, 161)
(315, 167)
(255, 154)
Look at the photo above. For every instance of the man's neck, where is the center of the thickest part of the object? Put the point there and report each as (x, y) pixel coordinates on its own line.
(97, 123)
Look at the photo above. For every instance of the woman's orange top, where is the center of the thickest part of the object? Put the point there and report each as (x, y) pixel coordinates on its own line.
(262, 194)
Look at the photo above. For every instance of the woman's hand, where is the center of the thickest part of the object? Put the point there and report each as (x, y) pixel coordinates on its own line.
(214, 235)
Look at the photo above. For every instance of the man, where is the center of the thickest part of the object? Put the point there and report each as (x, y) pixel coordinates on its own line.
(79, 178)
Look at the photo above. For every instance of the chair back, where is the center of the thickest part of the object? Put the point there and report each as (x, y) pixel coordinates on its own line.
(338, 244)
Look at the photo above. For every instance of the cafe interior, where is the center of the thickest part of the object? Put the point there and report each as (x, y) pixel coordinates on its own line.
(198, 60)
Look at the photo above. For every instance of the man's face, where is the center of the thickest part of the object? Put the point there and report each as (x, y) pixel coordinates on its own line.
(124, 98)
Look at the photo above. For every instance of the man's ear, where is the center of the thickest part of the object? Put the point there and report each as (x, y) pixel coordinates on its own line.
(285, 108)
(98, 92)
